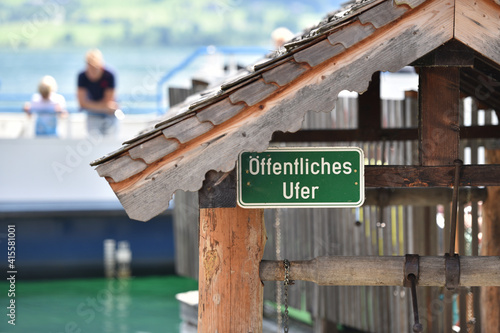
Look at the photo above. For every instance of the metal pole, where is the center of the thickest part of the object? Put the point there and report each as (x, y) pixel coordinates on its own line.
(456, 186)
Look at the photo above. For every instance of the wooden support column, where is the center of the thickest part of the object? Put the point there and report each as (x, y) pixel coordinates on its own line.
(490, 245)
(439, 134)
(439, 130)
(232, 241)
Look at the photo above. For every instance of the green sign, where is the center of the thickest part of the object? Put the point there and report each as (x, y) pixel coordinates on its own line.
(301, 177)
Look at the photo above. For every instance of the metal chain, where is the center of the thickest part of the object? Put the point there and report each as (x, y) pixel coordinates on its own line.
(286, 283)
(279, 317)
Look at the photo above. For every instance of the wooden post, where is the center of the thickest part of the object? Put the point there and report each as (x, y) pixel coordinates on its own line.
(439, 129)
(490, 245)
(232, 241)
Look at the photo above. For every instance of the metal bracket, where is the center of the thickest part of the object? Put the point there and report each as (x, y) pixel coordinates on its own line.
(412, 262)
(452, 271)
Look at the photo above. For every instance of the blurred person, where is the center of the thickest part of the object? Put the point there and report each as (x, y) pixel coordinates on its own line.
(96, 95)
(47, 105)
(280, 36)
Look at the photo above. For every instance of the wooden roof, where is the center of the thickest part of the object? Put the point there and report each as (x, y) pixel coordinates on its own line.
(209, 130)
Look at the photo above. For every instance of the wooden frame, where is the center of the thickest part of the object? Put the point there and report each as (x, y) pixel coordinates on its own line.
(245, 113)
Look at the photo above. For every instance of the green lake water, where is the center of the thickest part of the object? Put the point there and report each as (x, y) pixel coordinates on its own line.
(135, 305)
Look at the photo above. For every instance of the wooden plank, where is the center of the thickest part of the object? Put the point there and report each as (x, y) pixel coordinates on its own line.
(482, 84)
(186, 220)
(284, 74)
(392, 134)
(430, 245)
(490, 244)
(342, 135)
(187, 129)
(382, 14)
(232, 241)
(370, 233)
(462, 293)
(154, 149)
(427, 27)
(480, 132)
(121, 168)
(219, 112)
(416, 176)
(351, 34)
(476, 291)
(439, 115)
(318, 53)
(417, 245)
(384, 271)
(419, 196)
(253, 93)
(477, 25)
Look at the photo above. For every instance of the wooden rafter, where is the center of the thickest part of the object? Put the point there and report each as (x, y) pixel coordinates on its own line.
(431, 176)
(479, 18)
(389, 134)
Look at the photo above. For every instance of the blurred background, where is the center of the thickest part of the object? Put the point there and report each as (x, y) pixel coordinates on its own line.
(82, 265)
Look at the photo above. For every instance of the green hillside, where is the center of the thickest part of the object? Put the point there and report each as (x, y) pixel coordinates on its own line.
(54, 23)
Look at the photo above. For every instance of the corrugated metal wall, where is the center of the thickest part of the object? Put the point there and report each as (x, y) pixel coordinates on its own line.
(308, 233)
(297, 234)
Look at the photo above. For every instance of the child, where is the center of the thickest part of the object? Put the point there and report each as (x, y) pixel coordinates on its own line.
(46, 104)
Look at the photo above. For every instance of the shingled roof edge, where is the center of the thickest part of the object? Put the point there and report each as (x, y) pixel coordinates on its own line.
(353, 10)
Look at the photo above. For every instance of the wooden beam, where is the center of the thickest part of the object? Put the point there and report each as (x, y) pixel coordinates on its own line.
(453, 53)
(477, 25)
(482, 82)
(388, 134)
(231, 246)
(420, 196)
(481, 18)
(418, 176)
(382, 271)
(439, 131)
(480, 132)
(341, 135)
